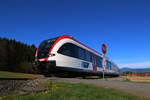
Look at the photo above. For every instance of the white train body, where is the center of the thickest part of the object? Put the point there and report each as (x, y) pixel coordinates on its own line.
(69, 55)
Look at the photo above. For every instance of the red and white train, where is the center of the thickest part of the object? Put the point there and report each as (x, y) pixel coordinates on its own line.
(66, 56)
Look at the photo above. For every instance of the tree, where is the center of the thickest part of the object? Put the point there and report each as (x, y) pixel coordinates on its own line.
(14, 55)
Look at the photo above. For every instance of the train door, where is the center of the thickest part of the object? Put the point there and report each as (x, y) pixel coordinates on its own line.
(94, 63)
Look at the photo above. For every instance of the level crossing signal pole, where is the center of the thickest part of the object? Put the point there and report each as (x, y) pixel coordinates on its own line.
(104, 59)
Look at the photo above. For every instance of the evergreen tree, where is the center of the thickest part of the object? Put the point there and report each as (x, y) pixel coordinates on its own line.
(15, 56)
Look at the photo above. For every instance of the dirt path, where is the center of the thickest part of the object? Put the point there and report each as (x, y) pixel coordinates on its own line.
(142, 89)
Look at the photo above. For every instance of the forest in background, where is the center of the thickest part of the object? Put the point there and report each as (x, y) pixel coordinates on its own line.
(16, 56)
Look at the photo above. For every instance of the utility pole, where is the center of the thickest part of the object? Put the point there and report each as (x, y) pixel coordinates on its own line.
(104, 59)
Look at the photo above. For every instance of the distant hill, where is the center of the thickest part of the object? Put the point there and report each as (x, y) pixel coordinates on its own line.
(136, 70)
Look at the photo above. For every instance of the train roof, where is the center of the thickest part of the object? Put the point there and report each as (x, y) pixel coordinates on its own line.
(69, 37)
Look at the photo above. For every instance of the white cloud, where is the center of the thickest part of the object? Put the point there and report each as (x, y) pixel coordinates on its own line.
(145, 64)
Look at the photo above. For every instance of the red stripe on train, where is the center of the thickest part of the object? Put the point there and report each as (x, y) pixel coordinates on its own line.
(44, 59)
(59, 39)
(68, 37)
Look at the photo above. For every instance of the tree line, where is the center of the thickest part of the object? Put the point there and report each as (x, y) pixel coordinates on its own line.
(16, 56)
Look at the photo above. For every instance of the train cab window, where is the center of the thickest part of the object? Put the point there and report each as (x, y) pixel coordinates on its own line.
(44, 47)
(68, 49)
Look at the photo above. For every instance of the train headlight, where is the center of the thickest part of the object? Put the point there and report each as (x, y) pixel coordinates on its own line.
(51, 55)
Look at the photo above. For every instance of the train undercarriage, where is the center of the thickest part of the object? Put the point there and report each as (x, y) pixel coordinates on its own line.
(49, 68)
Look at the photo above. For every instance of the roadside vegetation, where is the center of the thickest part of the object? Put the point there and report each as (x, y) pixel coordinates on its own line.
(70, 91)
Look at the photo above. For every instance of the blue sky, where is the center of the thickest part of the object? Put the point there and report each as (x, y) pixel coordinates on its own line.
(123, 25)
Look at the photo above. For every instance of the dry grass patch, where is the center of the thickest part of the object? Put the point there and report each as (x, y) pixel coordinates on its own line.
(137, 78)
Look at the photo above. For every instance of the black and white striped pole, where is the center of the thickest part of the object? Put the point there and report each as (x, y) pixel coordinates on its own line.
(104, 59)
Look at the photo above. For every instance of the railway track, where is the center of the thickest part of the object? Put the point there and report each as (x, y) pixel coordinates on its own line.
(13, 85)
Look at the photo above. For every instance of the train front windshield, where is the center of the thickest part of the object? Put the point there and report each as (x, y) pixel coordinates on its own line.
(44, 48)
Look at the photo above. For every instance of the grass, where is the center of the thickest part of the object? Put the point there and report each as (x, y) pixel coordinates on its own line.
(70, 91)
(4, 74)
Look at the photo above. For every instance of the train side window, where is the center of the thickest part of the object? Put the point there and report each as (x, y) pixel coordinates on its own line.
(111, 66)
(68, 49)
(108, 65)
(64, 50)
(75, 51)
(88, 56)
(116, 69)
(99, 61)
(81, 53)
